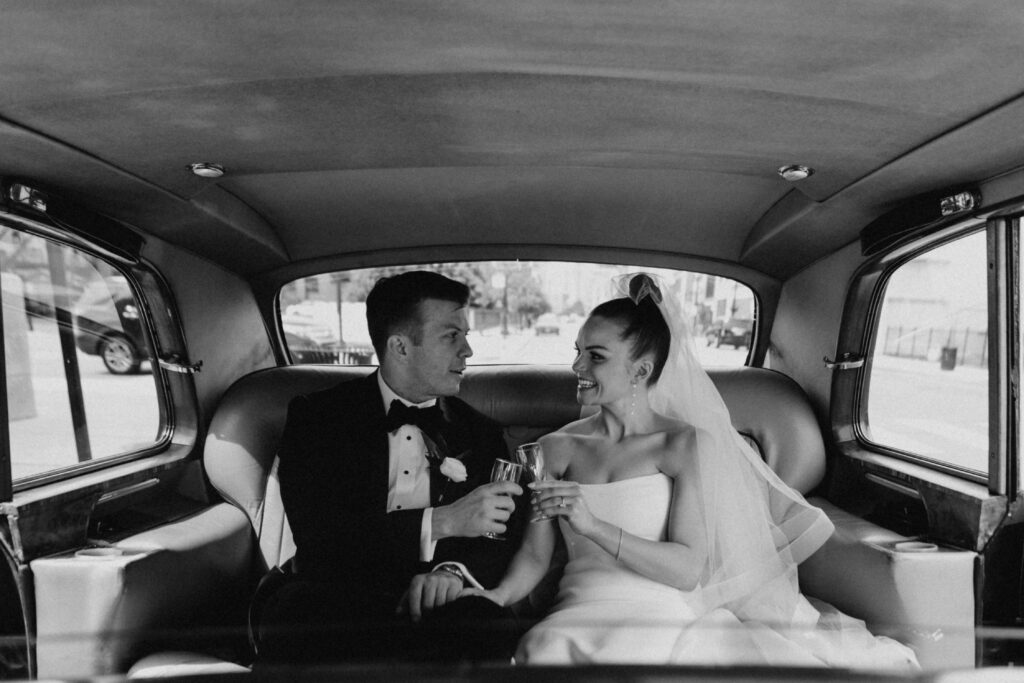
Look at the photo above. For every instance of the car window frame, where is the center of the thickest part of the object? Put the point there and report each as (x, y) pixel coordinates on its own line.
(871, 335)
(764, 290)
(1005, 277)
(767, 289)
(161, 326)
(850, 387)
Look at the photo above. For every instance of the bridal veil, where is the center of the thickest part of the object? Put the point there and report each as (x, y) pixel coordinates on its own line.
(758, 529)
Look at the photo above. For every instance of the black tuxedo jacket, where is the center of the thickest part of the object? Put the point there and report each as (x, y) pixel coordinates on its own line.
(334, 483)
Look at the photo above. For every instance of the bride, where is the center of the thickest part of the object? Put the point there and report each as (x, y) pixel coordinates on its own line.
(682, 544)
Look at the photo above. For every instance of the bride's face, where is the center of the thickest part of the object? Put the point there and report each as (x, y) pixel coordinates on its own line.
(603, 367)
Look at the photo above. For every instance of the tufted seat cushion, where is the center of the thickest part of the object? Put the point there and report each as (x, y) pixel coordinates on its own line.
(854, 570)
(529, 401)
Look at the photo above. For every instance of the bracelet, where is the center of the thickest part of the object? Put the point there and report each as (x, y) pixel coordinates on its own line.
(453, 570)
(618, 548)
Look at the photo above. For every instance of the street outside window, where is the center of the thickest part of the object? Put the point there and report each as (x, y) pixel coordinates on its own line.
(526, 312)
(79, 378)
(928, 389)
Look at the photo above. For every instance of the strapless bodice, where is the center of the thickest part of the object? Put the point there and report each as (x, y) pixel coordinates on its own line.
(639, 505)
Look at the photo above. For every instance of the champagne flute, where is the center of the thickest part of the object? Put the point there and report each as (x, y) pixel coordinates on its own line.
(504, 470)
(531, 456)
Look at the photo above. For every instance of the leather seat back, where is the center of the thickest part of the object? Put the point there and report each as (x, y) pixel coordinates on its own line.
(240, 453)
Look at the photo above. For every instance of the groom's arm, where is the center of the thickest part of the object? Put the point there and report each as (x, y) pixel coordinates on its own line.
(309, 492)
(334, 500)
(476, 561)
(483, 558)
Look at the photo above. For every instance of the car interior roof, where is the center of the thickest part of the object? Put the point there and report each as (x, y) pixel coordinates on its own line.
(363, 127)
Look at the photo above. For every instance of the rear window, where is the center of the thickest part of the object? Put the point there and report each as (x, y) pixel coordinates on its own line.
(521, 312)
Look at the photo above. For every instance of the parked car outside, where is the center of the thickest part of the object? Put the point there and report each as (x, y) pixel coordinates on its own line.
(547, 323)
(735, 332)
(314, 325)
(306, 350)
(107, 325)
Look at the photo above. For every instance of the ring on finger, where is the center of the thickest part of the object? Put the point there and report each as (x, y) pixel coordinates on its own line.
(561, 501)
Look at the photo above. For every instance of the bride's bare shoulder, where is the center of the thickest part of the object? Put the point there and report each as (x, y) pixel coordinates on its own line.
(564, 446)
(580, 428)
(570, 437)
(678, 449)
(674, 433)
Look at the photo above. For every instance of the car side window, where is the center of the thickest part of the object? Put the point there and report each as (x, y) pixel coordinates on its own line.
(77, 357)
(929, 377)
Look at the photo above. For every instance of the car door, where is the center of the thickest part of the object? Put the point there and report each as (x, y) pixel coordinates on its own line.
(101, 487)
(922, 386)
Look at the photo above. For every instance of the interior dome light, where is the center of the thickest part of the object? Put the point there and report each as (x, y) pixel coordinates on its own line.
(958, 203)
(23, 194)
(795, 172)
(206, 170)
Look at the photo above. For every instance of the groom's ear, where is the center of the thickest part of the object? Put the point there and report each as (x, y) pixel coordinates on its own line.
(398, 346)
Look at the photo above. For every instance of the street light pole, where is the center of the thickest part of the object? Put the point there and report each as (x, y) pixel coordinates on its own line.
(504, 309)
(500, 281)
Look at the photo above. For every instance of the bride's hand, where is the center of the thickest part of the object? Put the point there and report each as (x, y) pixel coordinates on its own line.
(489, 594)
(562, 499)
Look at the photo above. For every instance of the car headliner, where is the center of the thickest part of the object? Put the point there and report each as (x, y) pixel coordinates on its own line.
(651, 127)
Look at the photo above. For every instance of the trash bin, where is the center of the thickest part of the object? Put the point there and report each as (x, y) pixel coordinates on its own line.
(947, 361)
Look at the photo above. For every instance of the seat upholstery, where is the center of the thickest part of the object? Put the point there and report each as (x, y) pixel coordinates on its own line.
(529, 401)
(768, 408)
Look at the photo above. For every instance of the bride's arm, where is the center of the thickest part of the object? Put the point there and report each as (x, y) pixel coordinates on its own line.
(679, 560)
(527, 568)
(533, 559)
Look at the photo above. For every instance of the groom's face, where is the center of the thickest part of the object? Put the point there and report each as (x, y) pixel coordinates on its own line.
(436, 363)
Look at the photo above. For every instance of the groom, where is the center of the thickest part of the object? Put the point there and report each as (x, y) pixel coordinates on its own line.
(385, 481)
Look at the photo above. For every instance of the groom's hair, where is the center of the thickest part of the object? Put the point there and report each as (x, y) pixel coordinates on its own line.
(393, 305)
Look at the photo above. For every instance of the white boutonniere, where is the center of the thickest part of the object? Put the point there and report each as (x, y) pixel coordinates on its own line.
(454, 470)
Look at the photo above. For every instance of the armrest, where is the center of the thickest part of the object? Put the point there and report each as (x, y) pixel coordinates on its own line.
(96, 607)
(863, 571)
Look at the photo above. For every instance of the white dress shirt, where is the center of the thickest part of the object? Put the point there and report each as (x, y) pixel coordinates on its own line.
(409, 471)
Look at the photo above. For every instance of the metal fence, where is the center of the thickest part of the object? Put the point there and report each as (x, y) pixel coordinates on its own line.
(934, 343)
(357, 355)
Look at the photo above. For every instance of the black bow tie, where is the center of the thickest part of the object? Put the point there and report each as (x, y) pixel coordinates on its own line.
(427, 419)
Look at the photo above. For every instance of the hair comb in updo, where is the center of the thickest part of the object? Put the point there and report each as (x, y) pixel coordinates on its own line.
(643, 285)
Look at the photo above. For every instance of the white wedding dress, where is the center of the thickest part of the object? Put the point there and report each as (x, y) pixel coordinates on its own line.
(607, 613)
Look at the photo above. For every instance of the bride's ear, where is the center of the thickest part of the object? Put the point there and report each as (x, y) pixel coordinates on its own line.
(642, 370)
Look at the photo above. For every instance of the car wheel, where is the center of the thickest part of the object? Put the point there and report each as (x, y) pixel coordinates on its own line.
(119, 356)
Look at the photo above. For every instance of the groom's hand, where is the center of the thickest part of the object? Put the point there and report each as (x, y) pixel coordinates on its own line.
(482, 510)
(428, 591)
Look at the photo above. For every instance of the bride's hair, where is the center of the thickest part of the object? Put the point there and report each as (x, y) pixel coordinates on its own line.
(642, 323)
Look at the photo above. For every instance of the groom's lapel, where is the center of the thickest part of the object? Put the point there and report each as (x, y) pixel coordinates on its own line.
(367, 425)
(456, 442)
(439, 484)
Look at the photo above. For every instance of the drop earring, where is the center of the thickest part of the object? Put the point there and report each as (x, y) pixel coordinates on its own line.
(632, 397)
